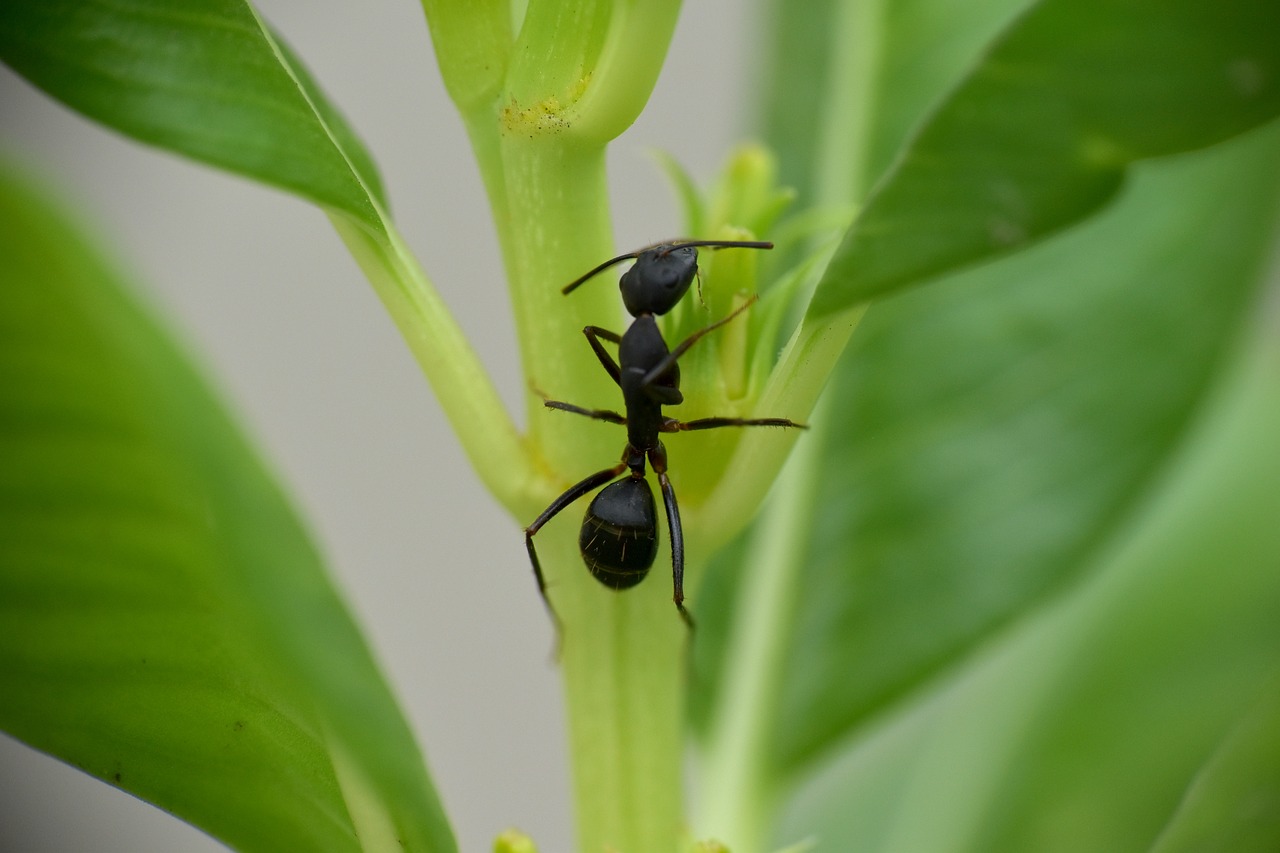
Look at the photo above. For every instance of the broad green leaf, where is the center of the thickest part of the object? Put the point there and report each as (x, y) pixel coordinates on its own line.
(1084, 725)
(991, 434)
(1234, 802)
(165, 622)
(203, 78)
(1040, 134)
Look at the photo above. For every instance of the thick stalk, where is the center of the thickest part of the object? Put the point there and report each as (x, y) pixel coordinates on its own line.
(623, 659)
(621, 653)
(575, 76)
(559, 226)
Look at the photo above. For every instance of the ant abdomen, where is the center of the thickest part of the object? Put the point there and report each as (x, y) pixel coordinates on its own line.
(619, 538)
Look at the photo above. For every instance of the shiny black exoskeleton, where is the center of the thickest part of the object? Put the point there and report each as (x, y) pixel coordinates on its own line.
(619, 537)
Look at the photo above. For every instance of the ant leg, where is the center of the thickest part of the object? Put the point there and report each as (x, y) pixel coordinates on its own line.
(673, 425)
(594, 334)
(681, 348)
(658, 458)
(597, 414)
(570, 495)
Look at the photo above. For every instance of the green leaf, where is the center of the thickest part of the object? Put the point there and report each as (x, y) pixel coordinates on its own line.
(800, 62)
(202, 78)
(167, 623)
(1040, 134)
(821, 103)
(849, 81)
(924, 48)
(1234, 802)
(989, 436)
(207, 79)
(1081, 726)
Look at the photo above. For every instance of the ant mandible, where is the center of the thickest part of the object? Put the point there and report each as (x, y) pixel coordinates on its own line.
(619, 536)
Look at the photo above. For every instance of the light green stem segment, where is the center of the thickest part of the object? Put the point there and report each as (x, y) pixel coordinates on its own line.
(623, 655)
(737, 808)
(540, 100)
(460, 382)
(559, 226)
(737, 804)
(842, 148)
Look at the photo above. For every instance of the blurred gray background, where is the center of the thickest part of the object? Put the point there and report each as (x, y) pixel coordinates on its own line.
(283, 322)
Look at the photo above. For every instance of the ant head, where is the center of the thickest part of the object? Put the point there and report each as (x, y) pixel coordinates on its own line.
(662, 274)
(659, 279)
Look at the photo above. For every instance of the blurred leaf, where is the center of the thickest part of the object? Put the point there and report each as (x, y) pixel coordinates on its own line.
(167, 624)
(1080, 727)
(925, 48)
(1234, 802)
(869, 73)
(800, 61)
(202, 78)
(993, 433)
(692, 208)
(848, 81)
(1040, 134)
(921, 47)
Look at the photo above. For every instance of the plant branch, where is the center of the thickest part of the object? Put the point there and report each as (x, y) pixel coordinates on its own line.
(573, 77)
(737, 808)
(793, 389)
(459, 381)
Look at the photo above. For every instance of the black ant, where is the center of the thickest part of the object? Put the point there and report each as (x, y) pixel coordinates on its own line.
(619, 537)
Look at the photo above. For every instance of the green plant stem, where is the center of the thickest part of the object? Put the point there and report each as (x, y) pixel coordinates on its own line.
(623, 661)
(467, 396)
(738, 804)
(844, 137)
(621, 653)
(575, 76)
(737, 807)
(558, 226)
(794, 387)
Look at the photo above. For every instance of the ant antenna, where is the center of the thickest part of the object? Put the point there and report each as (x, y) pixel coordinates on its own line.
(667, 247)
